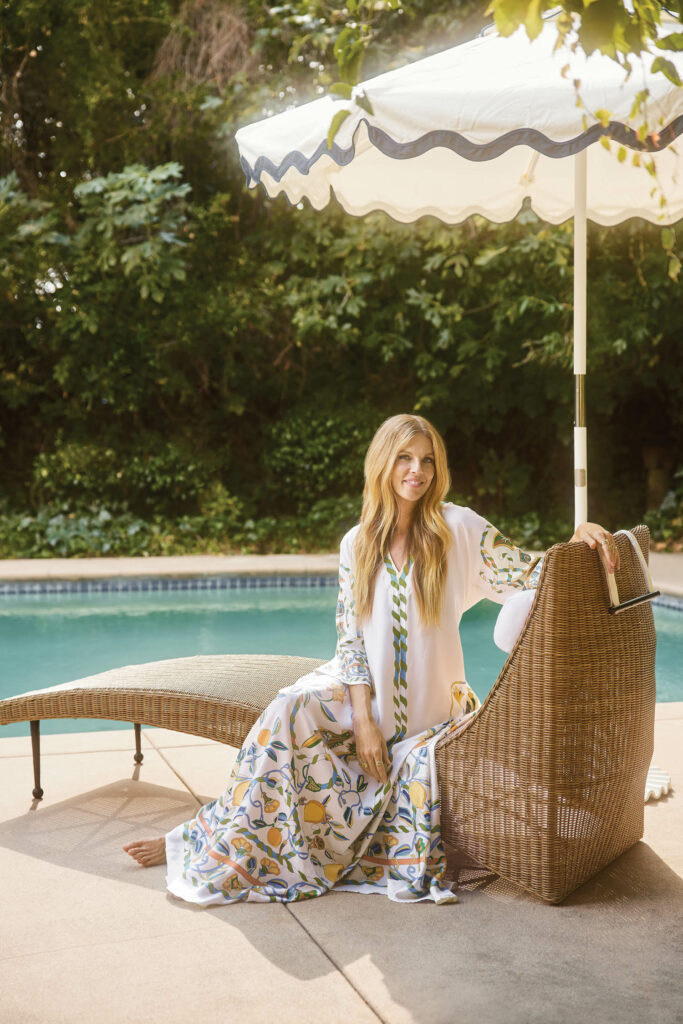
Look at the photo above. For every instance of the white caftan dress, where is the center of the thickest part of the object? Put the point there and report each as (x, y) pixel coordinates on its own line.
(299, 815)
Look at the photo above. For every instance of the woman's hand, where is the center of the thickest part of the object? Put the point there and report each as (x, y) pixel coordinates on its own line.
(595, 535)
(371, 747)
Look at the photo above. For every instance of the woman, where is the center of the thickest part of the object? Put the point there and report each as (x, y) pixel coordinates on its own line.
(336, 783)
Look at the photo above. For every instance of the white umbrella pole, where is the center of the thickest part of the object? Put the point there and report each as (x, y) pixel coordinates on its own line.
(580, 433)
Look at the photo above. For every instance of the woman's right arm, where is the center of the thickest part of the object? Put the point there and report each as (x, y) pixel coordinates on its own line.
(371, 746)
(352, 659)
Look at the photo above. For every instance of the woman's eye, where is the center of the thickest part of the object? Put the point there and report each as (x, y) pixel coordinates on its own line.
(428, 458)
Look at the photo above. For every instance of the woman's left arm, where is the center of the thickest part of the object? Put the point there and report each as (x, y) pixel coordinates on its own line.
(506, 574)
(499, 569)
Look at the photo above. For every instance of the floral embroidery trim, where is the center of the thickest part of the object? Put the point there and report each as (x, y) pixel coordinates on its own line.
(399, 615)
(506, 565)
(351, 654)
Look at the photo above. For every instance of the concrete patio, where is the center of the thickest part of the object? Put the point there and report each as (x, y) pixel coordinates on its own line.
(88, 936)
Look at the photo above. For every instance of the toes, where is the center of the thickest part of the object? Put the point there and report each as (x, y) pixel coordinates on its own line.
(135, 854)
(150, 860)
(137, 851)
(147, 852)
(138, 844)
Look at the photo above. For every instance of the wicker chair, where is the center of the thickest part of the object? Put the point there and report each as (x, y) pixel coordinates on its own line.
(544, 785)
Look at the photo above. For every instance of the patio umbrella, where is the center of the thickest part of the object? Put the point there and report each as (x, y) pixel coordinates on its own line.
(478, 129)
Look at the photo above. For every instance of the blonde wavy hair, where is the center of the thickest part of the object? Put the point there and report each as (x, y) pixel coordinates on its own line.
(429, 536)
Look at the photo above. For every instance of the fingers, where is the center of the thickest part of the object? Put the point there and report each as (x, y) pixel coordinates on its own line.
(609, 553)
(374, 766)
(371, 750)
(366, 762)
(607, 549)
(386, 759)
(375, 761)
(597, 536)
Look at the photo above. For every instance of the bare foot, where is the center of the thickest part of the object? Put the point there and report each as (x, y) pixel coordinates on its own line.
(147, 852)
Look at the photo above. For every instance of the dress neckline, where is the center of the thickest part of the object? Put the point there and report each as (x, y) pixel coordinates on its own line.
(391, 565)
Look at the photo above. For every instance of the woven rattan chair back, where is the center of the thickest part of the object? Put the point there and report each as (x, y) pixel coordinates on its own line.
(545, 786)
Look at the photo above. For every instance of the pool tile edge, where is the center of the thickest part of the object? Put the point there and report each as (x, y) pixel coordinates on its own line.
(151, 584)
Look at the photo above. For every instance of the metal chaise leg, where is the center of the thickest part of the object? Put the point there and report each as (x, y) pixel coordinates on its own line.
(35, 745)
(138, 756)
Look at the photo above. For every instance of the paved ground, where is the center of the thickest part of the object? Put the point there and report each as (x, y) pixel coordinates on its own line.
(667, 572)
(87, 936)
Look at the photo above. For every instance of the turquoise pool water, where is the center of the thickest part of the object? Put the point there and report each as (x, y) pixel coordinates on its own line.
(47, 639)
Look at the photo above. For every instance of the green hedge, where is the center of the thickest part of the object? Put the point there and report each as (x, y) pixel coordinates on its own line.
(172, 340)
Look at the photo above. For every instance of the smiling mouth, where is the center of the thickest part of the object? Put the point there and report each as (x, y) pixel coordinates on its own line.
(414, 483)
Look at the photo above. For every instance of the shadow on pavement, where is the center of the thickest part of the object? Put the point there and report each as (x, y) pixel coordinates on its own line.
(612, 952)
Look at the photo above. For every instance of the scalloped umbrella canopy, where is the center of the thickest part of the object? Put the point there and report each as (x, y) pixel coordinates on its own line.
(478, 129)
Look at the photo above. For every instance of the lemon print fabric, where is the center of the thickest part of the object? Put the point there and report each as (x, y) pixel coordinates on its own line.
(299, 815)
(238, 793)
(417, 794)
(314, 811)
(463, 700)
(274, 836)
(332, 871)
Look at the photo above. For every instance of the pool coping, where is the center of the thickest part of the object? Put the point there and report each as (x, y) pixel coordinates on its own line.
(171, 573)
(224, 572)
(162, 566)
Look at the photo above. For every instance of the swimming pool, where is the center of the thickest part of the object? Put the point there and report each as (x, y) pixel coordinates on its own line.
(52, 638)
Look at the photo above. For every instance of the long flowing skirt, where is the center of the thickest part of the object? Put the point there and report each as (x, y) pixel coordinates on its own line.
(300, 816)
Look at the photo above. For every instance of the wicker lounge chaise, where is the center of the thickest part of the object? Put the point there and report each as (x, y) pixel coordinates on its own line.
(545, 784)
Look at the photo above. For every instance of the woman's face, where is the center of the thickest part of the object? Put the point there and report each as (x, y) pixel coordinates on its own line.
(413, 469)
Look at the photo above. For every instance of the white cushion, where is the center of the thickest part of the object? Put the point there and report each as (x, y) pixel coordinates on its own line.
(511, 619)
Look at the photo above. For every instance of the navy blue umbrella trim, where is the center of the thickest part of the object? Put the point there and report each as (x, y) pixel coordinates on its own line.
(464, 147)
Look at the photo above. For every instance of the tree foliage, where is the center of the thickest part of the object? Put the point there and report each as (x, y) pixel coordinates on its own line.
(184, 365)
(616, 28)
(610, 26)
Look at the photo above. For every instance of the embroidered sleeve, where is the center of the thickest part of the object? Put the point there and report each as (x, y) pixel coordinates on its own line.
(351, 655)
(503, 568)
